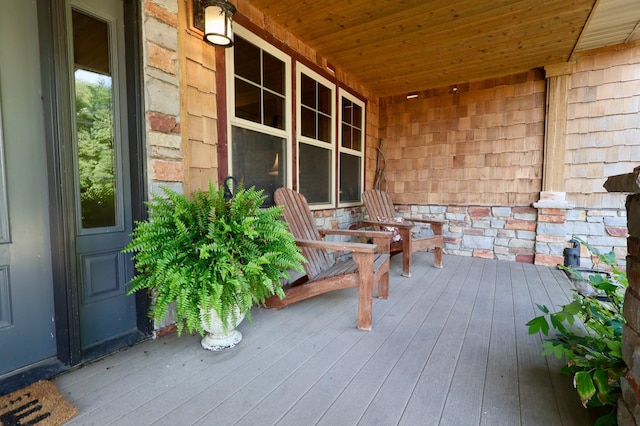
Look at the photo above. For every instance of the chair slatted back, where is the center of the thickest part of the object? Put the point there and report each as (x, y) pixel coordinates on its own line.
(303, 227)
(378, 204)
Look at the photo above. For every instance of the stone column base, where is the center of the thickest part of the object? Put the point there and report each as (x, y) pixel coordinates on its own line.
(551, 232)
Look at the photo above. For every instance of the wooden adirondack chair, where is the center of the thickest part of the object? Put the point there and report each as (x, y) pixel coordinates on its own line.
(369, 263)
(381, 216)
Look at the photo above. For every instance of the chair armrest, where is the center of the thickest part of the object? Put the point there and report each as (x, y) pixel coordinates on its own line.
(355, 233)
(380, 238)
(388, 224)
(338, 245)
(436, 225)
(430, 221)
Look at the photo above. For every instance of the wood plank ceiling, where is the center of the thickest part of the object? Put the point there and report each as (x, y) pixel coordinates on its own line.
(402, 46)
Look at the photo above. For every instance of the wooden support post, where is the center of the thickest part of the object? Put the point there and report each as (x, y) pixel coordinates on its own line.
(553, 190)
(552, 204)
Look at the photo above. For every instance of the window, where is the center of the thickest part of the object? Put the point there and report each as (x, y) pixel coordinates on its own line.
(329, 132)
(351, 149)
(316, 137)
(260, 123)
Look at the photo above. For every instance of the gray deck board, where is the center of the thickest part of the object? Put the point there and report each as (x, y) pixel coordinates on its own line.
(287, 395)
(464, 400)
(449, 347)
(240, 364)
(313, 405)
(389, 403)
(536, 388)
(364, 387)
(500, 393)
(425, 405)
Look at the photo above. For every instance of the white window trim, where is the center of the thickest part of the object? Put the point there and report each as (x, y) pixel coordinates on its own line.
(240, 122)
(344, 94)
(331, 146)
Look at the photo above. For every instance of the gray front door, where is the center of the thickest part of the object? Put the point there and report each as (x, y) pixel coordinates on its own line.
(101, 173)
(82, 141)
(27, 328)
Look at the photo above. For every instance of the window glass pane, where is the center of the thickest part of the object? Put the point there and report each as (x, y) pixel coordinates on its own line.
(315, 174)
(324, 128)
(273, 110)
(258, 160)
(273, 73)
(308, 94)
(357, 116)
(351, 125)
(308, 123)
(95, 154)
(346, 136)
(350, 188)
(247, 98)
(357, 140)
(347, 111)
(324, 99)
(246, 60)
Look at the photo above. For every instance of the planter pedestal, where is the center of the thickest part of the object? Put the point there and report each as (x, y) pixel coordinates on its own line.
(216, 339)
(220, 342)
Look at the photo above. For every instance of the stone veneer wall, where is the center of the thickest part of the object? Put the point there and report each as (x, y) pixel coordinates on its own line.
(519, 233)
(509, 233)
(629, 403)
(343, 218)
(504, 233)
(162, 94)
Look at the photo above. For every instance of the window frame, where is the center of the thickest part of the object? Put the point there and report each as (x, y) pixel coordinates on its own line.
(342, 93)
(300, 139)
(232, 120)
(293, 137)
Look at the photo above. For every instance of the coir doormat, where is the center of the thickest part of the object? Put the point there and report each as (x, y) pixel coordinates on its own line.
(39, 404)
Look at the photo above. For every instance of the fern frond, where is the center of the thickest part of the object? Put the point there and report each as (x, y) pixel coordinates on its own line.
(206, 252)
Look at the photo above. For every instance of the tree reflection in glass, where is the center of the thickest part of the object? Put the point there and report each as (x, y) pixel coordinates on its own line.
(95, 155)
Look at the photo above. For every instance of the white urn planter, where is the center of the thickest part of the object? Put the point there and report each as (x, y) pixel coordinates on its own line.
(216, 339)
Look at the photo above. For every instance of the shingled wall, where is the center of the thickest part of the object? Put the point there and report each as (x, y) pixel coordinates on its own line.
(476, 143)
(457, 150)
(603, 124)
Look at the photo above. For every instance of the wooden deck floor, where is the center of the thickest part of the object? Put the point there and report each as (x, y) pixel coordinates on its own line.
(449, 347)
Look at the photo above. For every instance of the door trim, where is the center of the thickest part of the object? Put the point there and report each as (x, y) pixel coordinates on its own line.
(137, 151)
(57, 112)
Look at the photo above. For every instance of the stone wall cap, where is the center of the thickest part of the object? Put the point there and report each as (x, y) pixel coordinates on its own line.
(553, 204)
(628, 182)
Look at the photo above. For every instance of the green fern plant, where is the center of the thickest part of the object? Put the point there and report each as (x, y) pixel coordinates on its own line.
(211, 253)
(592, 353)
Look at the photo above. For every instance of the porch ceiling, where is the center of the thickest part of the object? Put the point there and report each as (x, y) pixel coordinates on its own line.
(396, 47)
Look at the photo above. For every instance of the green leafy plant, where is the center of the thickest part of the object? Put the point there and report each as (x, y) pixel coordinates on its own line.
(588, 333)
(208, 252)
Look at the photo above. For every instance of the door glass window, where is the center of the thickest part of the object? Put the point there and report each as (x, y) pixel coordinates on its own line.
(94, 126)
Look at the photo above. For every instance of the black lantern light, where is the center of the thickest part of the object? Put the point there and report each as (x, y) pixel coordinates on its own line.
(217, 22)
